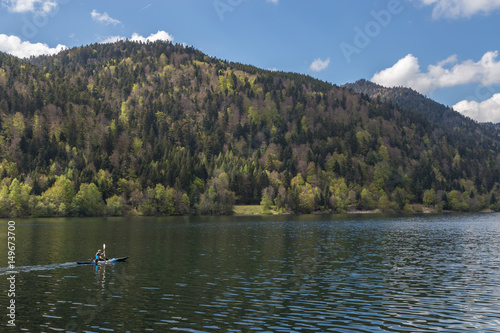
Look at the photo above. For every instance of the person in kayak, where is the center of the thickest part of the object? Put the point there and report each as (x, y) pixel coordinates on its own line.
(99, 256)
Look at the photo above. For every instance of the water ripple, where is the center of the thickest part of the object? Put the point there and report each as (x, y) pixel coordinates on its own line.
(311, 274)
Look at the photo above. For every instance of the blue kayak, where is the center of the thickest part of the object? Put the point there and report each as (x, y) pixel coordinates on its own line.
(98, 262)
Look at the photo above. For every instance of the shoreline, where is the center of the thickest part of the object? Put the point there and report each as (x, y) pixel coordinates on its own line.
(256, 210)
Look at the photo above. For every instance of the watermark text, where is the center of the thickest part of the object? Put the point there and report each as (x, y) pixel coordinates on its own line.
(11, 273)
(223, 6)
(363, 37)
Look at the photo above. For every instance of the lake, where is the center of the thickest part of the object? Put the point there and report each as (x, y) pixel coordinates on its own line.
(370, 273)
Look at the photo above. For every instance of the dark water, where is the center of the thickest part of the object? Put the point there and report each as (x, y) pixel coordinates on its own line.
(242, 274)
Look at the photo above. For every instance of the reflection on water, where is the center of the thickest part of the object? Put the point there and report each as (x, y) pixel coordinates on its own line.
(274, 274)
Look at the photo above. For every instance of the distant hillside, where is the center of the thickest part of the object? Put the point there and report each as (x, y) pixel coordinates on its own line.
(162, 129)
(437, 113)
(410, 99)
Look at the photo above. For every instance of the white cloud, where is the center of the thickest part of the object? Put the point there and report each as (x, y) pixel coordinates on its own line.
(160, 35)
(487, 111)
(450, 60)
(37, 6)
(273, 1)
(319, 65)
(112, 39)
(103, 18)
(406, 72)
(14, 46)
(460, 8)
(146, 7)
(48, 6)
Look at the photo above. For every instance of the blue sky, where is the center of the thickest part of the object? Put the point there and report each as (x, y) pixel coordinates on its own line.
(445, 49)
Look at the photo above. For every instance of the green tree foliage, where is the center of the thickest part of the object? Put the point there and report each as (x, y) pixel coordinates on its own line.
(267, 198)
(19, 197)
(88, 201)
(429, 197)
(217, 199)
(115, 206)
(4, 200)
(55, 201)
(58, 198)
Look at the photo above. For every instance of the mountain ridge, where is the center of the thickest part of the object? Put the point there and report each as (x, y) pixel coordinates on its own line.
(411, 99)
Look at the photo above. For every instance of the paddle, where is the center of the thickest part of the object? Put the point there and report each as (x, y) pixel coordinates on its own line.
(104, 250)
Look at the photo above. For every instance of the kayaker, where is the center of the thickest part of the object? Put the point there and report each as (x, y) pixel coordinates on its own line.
(100, 255)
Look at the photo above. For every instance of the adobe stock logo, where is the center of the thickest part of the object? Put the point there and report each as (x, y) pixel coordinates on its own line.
(39, 20)
(223, 6)
(372, 29)
(483, 93)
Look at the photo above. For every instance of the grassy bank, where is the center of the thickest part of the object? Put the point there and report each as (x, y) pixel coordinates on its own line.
(253, 210)
(409, 209)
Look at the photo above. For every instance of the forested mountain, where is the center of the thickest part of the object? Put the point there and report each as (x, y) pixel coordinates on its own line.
(162, 129)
